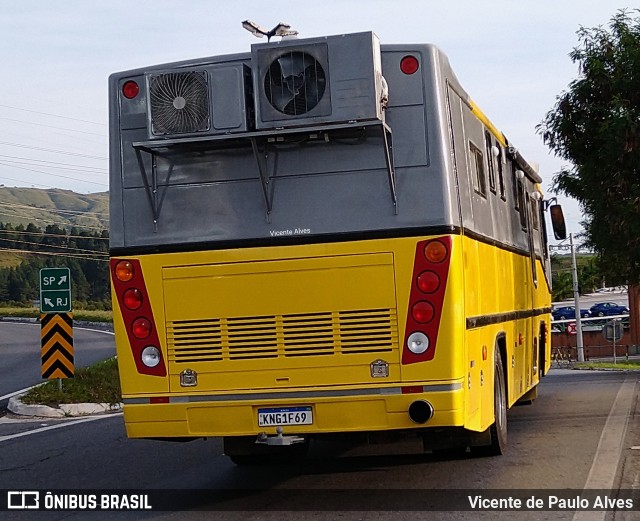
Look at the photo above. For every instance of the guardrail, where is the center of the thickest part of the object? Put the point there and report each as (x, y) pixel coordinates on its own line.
(590, 323)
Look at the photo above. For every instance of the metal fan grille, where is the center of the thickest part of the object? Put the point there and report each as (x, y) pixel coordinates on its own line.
(179, 103)
(294, 83)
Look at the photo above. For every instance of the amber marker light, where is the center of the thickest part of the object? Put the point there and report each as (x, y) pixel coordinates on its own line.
(435, 251)
(124, 271)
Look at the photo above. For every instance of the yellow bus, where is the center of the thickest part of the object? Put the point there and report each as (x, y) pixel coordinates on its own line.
(321, 236)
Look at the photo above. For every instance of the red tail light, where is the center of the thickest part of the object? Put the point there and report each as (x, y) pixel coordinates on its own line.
(430, 271)
(409, 64)
(131, 292)
(130, 89)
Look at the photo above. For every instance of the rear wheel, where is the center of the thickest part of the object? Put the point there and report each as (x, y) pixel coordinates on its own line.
(497, 431)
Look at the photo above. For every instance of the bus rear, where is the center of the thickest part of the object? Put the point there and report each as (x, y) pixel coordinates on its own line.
(287, 257)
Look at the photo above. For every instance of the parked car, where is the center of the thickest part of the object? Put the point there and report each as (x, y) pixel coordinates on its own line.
(567, 313)
(605, 309)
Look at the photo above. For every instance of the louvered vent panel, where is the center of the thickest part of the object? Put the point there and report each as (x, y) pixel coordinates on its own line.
(194, 341)
(252, 337)
(313, 334)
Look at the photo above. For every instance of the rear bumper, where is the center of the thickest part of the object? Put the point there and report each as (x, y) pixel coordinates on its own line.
(202, 416)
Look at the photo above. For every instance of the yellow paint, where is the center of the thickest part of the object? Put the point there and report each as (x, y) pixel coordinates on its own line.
(234, 304)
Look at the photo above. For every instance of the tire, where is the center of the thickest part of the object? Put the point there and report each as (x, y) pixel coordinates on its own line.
(497, 431)
(601, 314)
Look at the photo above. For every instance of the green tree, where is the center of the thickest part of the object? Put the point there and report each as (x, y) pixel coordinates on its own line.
(595, 124)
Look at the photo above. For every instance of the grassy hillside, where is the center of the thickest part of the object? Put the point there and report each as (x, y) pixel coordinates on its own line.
(52, 206)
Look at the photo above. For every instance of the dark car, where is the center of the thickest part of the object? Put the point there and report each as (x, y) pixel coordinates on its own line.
(567, 313)
(603, 309)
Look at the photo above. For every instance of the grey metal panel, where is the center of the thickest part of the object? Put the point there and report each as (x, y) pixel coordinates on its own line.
(461, 160)
(482, 215)
(133, 112)
(403, 89)
(228, 83)
(409, 135)
(312, 204)
(132, 174)
(325, 187)
(116, 212)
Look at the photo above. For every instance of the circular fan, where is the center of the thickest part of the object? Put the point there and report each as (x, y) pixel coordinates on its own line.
(295, 83)
(179, 103)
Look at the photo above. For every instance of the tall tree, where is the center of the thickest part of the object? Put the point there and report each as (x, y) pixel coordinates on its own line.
(595, 124)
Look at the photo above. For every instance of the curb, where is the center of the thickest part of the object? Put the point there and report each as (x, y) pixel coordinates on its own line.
(66, 409)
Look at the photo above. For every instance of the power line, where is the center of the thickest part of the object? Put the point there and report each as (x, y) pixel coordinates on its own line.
(45, 234)
(72, 250)
(54, 127)
(50, 221)
(53, 115)
(53, 254)
(66, 166)
(54, 175)
(30, 147)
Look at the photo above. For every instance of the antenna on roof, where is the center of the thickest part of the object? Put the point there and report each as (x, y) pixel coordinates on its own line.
(282, 29)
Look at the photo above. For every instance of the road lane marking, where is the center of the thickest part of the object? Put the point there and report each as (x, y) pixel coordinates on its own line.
(605, 462)
(14, 393)
(57, 426)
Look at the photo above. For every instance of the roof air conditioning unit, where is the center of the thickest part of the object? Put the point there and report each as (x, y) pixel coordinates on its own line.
(314, 81)
(198, 101)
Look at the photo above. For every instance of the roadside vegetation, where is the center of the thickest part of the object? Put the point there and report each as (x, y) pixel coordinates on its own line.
(625, 365)
(98, 383)
(79, 314)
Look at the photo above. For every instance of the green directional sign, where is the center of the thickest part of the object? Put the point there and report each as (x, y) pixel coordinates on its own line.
(55, 290)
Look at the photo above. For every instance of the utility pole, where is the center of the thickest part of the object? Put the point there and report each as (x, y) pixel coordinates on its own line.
(576, 299)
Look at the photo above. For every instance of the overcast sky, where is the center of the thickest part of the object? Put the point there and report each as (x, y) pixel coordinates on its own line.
(510, 55)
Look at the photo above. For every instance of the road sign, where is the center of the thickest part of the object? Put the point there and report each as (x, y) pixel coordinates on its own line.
(55, 290)
(56, 351)
(613, 331)
(572, 328)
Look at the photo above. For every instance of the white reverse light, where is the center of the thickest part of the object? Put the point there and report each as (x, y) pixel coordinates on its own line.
(418, 343)
(150, 356)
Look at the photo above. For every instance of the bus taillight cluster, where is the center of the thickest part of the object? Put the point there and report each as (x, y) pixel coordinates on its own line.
(430, 270)
(133, 299)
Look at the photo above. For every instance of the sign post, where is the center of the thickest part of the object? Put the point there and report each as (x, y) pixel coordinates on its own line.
(613, 331)
(56, 324)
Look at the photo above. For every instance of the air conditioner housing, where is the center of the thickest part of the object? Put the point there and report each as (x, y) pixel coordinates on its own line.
(306, 82)
(198, 101)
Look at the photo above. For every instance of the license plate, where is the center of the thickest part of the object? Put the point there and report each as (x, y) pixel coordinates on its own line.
(285, 416)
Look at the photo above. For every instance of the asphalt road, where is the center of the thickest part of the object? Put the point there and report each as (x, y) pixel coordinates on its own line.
(578, 434)
(20, 363)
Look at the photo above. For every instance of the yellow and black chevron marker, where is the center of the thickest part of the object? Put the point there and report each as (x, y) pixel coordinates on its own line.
(56, 333)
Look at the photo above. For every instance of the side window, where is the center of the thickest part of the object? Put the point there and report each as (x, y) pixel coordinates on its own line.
(500, 161)
(477, 166)
(516, 185)
(534, 214)
(522, 203)
(490, 161)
